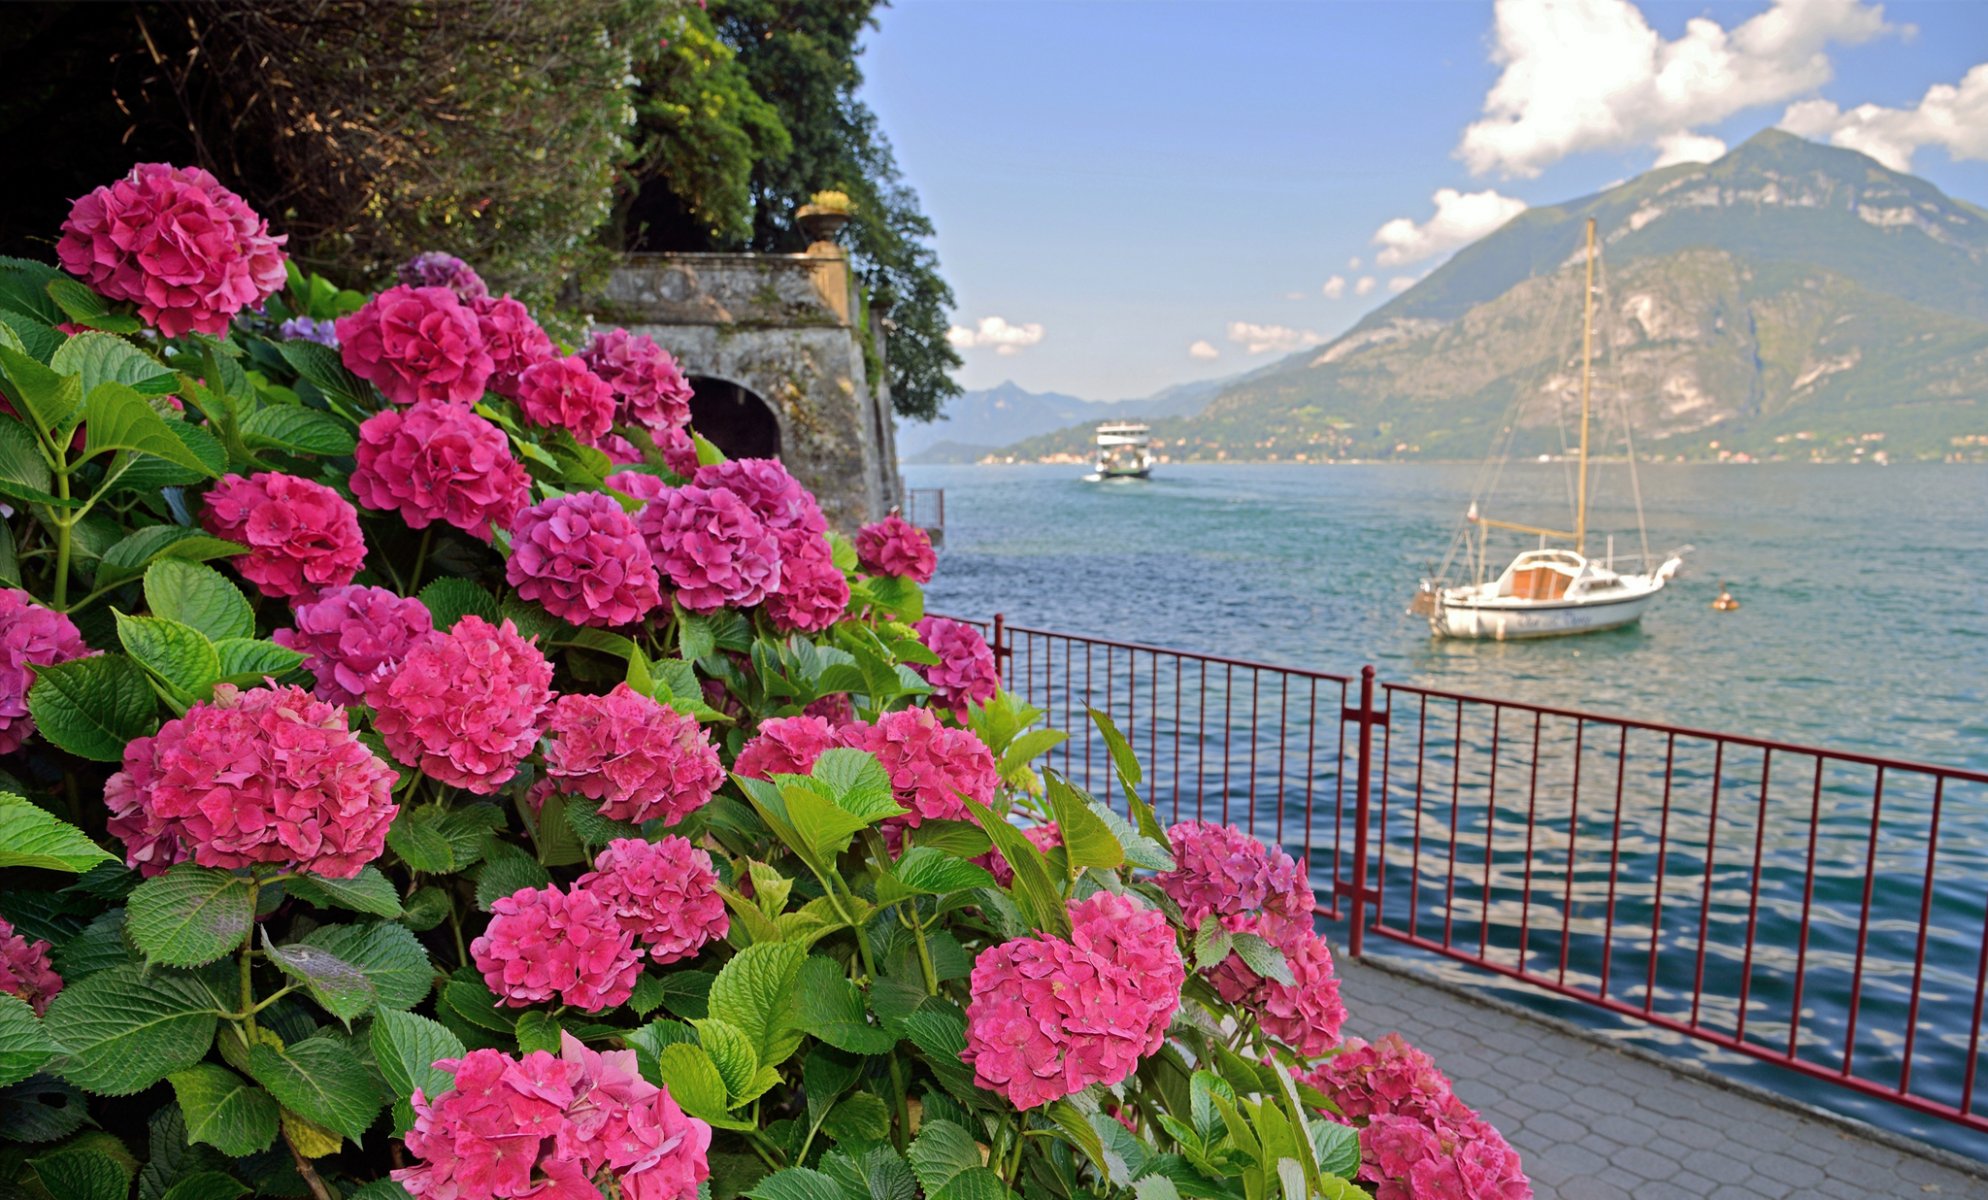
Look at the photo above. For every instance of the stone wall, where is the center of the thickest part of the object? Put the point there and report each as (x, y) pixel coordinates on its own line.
(783, 327)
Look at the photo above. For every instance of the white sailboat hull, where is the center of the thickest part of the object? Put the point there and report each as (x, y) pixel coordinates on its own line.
(1515, 621)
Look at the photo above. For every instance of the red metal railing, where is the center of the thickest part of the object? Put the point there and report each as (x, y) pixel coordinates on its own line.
(1823, 911)
(926, 508)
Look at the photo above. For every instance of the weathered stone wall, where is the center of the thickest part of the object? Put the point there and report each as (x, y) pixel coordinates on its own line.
(782, 327)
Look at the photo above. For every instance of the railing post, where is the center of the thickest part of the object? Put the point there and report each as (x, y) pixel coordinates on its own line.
(1357, 920)
(999, 645)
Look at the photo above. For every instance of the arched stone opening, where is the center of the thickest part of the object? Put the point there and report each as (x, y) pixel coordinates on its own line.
(733, 418)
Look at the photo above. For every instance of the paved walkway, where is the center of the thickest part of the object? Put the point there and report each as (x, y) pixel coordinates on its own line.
(1593, 1123)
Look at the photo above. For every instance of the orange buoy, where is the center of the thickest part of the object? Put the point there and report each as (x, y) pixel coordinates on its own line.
(1725, 601)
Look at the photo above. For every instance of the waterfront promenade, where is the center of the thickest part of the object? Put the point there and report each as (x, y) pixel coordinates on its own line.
(1595, 1123)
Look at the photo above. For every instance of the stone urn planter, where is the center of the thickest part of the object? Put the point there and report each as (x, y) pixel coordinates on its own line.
(821, 224)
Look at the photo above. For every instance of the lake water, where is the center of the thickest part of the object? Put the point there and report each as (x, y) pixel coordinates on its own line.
(1863, 626)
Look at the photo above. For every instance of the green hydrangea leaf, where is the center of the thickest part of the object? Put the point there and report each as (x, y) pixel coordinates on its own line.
(206, 1185)
(93, 707)
(82, 1174)
(198, 595)
(450, 600)
(831, 1008)
(367, 892)
(178, 654)
(224, 1110)
(341, 988)
(138, 550)
(322, 1080)
(42, 1110)
(757, 992)
(298, 430)
(322, 366)
(117, 417)
(796, 1183)
(246, 662)
(24, 1046)
(127, 1028)
(389, 956)
(190, 915)
(30, 837)
(406, 1047)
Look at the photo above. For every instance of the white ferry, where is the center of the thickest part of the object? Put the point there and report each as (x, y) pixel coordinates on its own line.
(1124, 450)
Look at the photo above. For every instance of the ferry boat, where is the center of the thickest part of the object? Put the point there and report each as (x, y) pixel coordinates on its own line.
(1548, 591)
(1124, 450)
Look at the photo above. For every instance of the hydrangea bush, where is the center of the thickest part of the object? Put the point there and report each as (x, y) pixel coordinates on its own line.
(429, 770)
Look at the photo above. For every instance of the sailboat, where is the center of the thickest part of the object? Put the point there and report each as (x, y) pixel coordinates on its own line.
(1550, 591)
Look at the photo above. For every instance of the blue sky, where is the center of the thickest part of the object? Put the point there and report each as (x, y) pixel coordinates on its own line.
(1115, 183)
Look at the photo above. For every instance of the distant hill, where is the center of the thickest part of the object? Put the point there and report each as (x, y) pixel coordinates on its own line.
(975, 423)
(1790, 300)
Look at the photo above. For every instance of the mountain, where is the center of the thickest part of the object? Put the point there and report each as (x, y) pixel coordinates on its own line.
(1790, 300)
(975, 423)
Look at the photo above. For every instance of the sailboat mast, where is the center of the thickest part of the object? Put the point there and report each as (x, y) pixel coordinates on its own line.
(1587, 357)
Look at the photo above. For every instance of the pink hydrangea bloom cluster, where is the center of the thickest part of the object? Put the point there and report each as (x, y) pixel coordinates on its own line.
(552, 1128)
(929, 764)
(439, 462)
(836, 708)
(642, 760)
(302, 536)
(649, 388)
(1385, 1078)
(715, 550)
(268, 775)
(1050, 1017)
(1305, 1014)
(678, 451)
(544, 943)
(24, 969)
(187, 251)
(965, 672)
(639, 484)
(30, 636)
(774, 496)
(665, 893)
(432, 268)
(464, 704)
(813, 592)
(581, 557)
(352, 635)
(1220, 869)
(1044, 837)
(786, 746)
(561, 393)
(514, 340)
(417, 343)
(894, 546)
(1457, 1155)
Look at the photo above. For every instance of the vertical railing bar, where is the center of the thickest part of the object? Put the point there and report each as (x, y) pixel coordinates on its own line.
(1255, 731)
(1311, 760)
(1753, 901)
(1490, 826)
(1228, 695)
(1573, 833)
(1532, 811)
(1087, 700)
(1415, 826)
(1069, 673)
(1339, 788)
(1456, 806)
(1663, 860)
(1974, 1037)
(1201, 765)
(1808, 906)
(1153, 735)
(1283, 747)
(1925, 913)
(1705, 905)
(1863, 923)
(1614, 862)
(1179, 727)
(1387, 774)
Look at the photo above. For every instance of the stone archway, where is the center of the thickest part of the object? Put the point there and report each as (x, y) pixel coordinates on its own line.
(734, 418)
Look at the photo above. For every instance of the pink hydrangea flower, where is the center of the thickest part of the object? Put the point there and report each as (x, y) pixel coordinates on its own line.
(24, 969)
(1141, 948)
(562, 393)
(836, 708)
(665, 893)
(1306, 1014)
(269, 775)
(894, 546)
(581, 557)
(187, 251)
(515, 342)
(678, 451)
(543, 943)
(1387, 1078)
(649, 387)
(773, 495)
(1044, 837)
(30, 636)
(439, 462)
(352, 635)
(785, 746)
(639, 484)
(619, 450)
(302, 536)
(813, 592)
(548, 1127)
(151, 841)
(432, 268)
(464, 705)
(1220, 869)
(715, 550)
(1459, 1155)
(417, 343)
(929, 764)
(965, 672)
(644, 761)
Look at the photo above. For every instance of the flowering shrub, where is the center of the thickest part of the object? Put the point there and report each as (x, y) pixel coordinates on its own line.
(389, 813)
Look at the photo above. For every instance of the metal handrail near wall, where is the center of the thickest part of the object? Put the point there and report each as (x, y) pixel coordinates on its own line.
(1824, 911)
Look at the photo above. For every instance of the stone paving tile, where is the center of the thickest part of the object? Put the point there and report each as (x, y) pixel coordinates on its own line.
(1596, 1124)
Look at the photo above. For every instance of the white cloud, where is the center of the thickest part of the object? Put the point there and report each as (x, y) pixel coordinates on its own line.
(1401, 283)
(1461, 218)
(1334, 288)
(1353, 263)
(1365, 287)
(1953, 116)
(996, 332)
(1674, 148)
(1593, 75)
(1294, 295)
(1255, 339)
(1203, 349)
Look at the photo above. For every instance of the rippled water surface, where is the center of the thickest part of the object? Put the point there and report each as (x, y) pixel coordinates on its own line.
(1864, 626)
